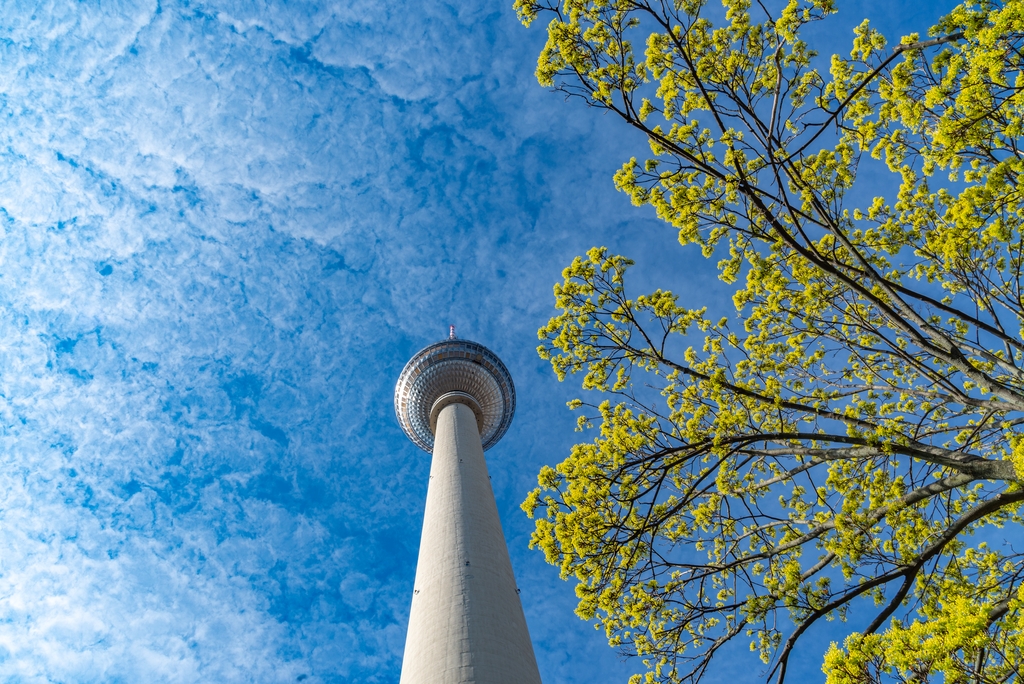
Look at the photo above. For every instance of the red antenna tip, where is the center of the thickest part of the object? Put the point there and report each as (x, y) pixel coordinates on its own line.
(451, 332)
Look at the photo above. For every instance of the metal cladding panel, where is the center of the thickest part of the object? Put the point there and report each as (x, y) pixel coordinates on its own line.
(454, 365)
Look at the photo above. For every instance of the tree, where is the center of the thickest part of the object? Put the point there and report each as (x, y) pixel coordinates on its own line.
(848, 444)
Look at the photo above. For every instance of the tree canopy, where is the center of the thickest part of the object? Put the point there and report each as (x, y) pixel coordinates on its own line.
(849, 444)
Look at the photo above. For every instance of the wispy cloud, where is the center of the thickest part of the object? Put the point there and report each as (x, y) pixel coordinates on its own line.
(224, 230)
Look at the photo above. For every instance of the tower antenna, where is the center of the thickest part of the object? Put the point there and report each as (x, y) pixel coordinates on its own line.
(451, 332)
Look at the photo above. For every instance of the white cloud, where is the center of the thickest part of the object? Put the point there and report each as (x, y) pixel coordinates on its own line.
(224, 228)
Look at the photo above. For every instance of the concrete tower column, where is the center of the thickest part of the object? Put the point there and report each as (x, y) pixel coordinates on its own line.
(467, 623)
(466, 626)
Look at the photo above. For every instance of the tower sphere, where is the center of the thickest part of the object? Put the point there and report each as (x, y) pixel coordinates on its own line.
(454, 371)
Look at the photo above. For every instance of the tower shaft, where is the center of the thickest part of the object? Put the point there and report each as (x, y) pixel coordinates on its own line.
(467, 624)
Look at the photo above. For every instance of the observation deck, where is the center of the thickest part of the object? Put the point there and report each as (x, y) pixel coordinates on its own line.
(454, 371)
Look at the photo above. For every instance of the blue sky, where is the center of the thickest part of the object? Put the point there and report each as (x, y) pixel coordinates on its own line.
(224, 228)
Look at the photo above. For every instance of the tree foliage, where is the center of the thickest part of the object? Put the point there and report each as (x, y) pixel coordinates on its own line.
(853, 437)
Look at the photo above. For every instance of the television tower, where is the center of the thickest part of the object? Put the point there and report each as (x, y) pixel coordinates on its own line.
(456, 399)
